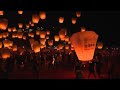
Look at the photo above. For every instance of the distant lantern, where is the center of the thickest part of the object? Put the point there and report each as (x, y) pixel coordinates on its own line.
(66, 46)
(3, 24)
(9, 29)
(78, 14)
(62, 33)
(20, 25)
(27, 26)
(14, 35)
(48, 32)
(32, 35)
(47, 37)
(0, 35)
(99, 45)
(36, 48)
(5, 53)
(1, 12)
(74, 20)
(37, 32)
(42, 41)
(83, 29)
(60, 46)
(69, 42)
(13, 29)
(66, 38)
(24, 37)
(20, 35)
(50, 42)
(14, 47)
(84, 44)
(42, 15)
(20, 12)
(35, 18)
(42, 34)
(0, 44)
(56, 38)
(42, 46)
(61, 19)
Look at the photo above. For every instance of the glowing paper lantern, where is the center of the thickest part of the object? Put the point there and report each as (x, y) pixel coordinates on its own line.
(20, 25)
(14, 47)
(66, 46)
(74, 20)
(1, 12)
(20, 12)
(78, 14)
(56, 37)
(42, 34)
(42, 41)
(83, 29)
(48, 32)
(3, 24)
(66, 38)
(0, 44)
(60, 46)
(37, 32)
(99, 45)
(20, 35)
(61, 19)
(50, 42)
(0, 35)
(35, 18)
(84, 44)
(27, 26)
(5, 53)
(42, 15)
(36, 48)
(9, 29)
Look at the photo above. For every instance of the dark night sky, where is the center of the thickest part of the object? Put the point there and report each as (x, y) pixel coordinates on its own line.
(104, 23)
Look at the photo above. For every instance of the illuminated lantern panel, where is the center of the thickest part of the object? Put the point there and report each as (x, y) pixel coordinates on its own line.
(42, 34)
(66, 46)
(50, 42)
(78, 14)
(74, 20)
(84, 44)
(20, 35)
(42, 41)
(27, 26)
(0, 35)
(56, 37)
(14, 48)
(99, 45)
(48, 32)
(9, 29)
(0, 44)
(5, 53)
(37, 32)
(13, 29)
(35, 18)
(24, 37)
(60, 46)
(20, 12)
(42, 15)
(36, 48)
(66, 38)
(47, 37)
(83, 29)
(3, 24)
(20, 25)
(1, 12)
(62, 34)
(61, 19)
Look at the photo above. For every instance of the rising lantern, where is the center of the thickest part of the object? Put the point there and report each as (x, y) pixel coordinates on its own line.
(42, 15)
(78, 14)
(20, 25)
(5, 53)
(84, 44)
(42, 34)
(56, 37)
(14, 47)
(50, 42)
(1, 12)
(20, 12)
(36, 48)
(73, 20)
(3, 24)
(35, 18)
(83, 29)
(61, 19)
(99, 45)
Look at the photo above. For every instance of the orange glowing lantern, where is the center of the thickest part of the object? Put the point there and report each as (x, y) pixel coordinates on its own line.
(35, 18)
(0, 44)
(74, 20)
(42, 41)
(99, 45)
(20, 12)
(9, 29)
(20, 35)
(62, 33)
(60, 46)
(72, 48)
(20, 25)
(32, 24)
(56, 37)
(84, 44)
(50, 42)
(66, 38)
(3, 24)
(42, 46)
(42, 34)
(69, 42)
(5, 53)
(83, 29)
(14, 47)
(13, 29)
(14, 35)
(42, 15)
(24, 37)
(78, 14)
(36, 48)
(27, 26)
(48, 32)
(37, 32)
(66, 46)
(1, 12)
(61, 19)
(4, 35)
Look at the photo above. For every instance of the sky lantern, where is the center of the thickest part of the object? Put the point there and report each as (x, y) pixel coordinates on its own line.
(84, 44)
(20, 25)
(1, 12)
(36, 48)
(47, 37)
(27, 26)
(74, 20)
(62, 33)
(42, 34)
(42, 41)
(20, 12)
(35, 18)
(67, 47)
(14, 47)
(42, 15)
(14, 35)
(60, 46)
(13, 29)
(37, 32)
(3, 24)
(48, 32)
(5, 53)
(66, 38)
(0, 44)
(78, 13)
(99, 45)
(61, 19)
(69, 42)
(56, 38)
(83, 29)
(50, 42)
(9, 29)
